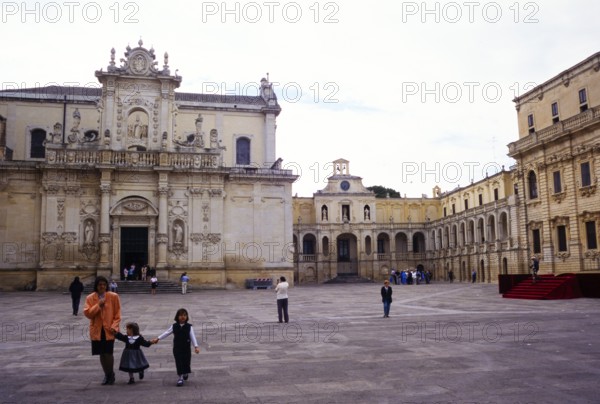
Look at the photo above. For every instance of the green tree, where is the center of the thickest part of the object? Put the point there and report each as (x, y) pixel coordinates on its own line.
(382, 192)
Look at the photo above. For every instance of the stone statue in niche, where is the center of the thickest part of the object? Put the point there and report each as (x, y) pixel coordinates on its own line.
(324, 213)
(89, 233)
(177, 233)
(137, 130)
(367, 213)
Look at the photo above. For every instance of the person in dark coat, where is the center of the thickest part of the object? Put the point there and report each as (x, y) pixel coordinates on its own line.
(76, 290)
(386, 298)
(133, 359)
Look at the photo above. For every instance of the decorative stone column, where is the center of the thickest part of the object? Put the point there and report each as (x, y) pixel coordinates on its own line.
(162, 237)
(104, 237)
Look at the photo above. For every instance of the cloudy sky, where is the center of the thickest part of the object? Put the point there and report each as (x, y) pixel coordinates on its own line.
(413, 94)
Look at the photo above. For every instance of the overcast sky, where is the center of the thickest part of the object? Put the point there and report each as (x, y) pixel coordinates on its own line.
(413, 94)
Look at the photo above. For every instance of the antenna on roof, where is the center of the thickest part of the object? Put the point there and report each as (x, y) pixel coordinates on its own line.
(267, 76)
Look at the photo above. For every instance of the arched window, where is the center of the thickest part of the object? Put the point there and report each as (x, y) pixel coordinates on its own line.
(38, 150)
(532, 182)
(242, 151)
(418, 242)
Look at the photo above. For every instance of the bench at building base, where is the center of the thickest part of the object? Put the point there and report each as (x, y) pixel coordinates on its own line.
(259, 283)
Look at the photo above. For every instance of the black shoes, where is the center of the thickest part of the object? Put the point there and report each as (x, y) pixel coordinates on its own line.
(131, 381)
(141, 375)
(185, 377)
(109, 379)
(179, 382)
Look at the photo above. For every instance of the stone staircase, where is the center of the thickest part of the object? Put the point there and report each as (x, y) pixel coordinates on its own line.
(142, 287)
(342, 278)
(548, 287)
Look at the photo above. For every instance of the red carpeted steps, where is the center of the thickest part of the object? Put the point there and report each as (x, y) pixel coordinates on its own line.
(548, 287)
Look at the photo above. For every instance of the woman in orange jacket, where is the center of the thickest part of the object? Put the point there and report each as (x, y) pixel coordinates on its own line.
(103, 308)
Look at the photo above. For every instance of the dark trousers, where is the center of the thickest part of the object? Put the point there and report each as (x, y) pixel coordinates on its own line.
(282, 307)
(75, 300)
(183, 360)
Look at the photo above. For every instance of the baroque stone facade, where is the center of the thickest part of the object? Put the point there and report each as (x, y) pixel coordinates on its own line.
(94, 179)
(547, 205)
(345, 230)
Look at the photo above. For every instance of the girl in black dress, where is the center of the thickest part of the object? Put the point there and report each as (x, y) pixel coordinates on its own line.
(133, 359)
(183, 338)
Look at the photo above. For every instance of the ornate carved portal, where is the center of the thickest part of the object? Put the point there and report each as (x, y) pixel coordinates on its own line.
(128, 213)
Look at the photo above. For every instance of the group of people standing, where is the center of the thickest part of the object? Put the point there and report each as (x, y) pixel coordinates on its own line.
(133, 273)
(103, 308)
(409, 277)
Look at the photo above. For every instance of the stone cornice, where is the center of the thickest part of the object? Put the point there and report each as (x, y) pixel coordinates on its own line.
(561, 79)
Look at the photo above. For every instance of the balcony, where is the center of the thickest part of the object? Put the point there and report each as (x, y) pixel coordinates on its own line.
(308, 258)
(57, 155)
(545, 135)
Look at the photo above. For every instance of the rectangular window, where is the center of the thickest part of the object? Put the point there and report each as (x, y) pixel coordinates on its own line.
(586, 177)
(590, 232)
(530, 123)
(583, 100)
(453, 209)
(561, 233)
(537, 242)
(555, 117)
(480, 199)
(380, 246)
(495, 194)
(557, 182)
(466, 204)
(444, 212)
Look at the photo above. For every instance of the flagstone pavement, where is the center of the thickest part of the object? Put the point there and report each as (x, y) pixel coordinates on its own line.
(443, 343)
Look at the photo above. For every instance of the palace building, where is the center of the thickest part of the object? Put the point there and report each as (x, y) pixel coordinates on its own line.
(546, 206)
(95, 179)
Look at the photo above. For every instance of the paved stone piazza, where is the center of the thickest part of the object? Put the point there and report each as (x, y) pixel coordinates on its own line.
(444, 343)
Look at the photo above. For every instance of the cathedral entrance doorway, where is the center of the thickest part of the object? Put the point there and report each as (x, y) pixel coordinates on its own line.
(134, 248)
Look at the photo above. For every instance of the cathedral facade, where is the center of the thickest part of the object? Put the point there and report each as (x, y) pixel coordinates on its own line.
(93, 180)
